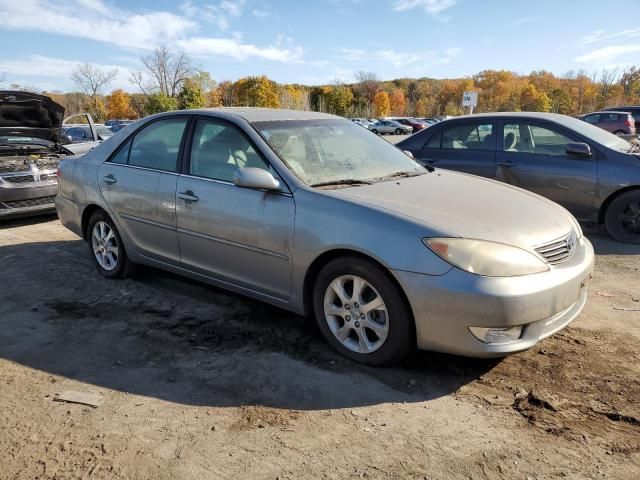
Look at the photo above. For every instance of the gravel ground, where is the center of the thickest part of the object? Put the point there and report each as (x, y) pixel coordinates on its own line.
(200, 383)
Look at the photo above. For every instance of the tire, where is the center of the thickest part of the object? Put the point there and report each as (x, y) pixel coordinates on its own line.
(622, 217)
(398, 131)
(619, 133)
(375, 131)
(383, 333)
(113, 263)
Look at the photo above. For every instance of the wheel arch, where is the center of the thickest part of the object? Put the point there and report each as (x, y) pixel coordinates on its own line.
(324, 258)
(86, 216)
(605, 205)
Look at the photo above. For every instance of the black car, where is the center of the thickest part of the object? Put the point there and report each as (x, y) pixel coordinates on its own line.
(591, 172)
(30, 150)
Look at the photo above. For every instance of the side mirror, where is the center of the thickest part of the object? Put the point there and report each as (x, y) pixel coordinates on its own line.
(255, 178)
(578, 149)
(65, 139)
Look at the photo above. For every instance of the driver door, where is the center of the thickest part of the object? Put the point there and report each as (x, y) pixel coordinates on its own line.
(238, 236)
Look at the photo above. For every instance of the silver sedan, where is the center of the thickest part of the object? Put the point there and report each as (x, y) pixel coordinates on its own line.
(312, 213)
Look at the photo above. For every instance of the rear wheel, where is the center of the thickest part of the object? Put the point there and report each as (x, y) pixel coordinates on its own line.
(375, 131)
(362, 313)
(106, 247)
(619, 133)
(398, 131)
(622, 217)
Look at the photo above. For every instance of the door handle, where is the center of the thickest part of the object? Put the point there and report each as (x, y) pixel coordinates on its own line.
(507, 164)
(188, 196)
(109, 179)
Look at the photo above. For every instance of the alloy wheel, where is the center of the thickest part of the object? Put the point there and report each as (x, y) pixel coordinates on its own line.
(356, 314)
(105, 245)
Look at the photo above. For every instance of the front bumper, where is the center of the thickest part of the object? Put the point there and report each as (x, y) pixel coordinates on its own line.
(31, 199)
(444, 307)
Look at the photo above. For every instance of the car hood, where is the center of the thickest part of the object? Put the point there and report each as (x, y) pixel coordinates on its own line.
(462, 205)
(31, 115)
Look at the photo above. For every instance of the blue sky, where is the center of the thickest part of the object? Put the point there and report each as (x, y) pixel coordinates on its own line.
(316, 41)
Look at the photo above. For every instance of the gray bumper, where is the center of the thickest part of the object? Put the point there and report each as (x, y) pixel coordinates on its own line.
(32, 199)
(70, 214)
(444, 307)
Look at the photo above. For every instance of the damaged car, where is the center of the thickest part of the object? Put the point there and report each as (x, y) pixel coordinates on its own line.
(31, 146)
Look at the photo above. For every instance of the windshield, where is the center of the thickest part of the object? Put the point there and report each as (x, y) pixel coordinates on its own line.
(328, 151)
(103, 131)
(599, 135)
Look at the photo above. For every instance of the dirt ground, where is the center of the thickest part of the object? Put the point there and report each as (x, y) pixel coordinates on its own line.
(200, 383)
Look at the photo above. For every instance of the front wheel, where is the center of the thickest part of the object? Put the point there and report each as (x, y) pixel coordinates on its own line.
(106, 247)
(362, 313)
(398, 131)
(619, 133)
(622, 217)
(375, 131)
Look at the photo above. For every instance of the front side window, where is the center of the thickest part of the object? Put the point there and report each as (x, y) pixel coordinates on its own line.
(592, 118)
(468, 137)
(534, 139)
(610, 117)
(157, 145)
(219, 149)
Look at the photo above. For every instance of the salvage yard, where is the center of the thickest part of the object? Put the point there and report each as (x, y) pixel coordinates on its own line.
(195, 382)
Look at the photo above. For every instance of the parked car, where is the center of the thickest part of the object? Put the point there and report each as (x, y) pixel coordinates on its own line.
(591, 172)
(30, 149)
(116, 125)
(634, 110)
(390, 126)
(618, 123)
(363, 122)
(411, 122)
(84, 133)
(81, 133)
(309, 212)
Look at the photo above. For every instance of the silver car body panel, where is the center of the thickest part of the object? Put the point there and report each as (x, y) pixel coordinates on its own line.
(263, 244)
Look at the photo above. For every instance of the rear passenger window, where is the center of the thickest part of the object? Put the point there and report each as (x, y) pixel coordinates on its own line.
(434, 142)
(219, 149)
(468, 137)
(157, 145)
(122, 157)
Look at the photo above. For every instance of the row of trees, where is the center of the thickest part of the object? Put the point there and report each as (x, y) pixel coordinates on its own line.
(170, 80)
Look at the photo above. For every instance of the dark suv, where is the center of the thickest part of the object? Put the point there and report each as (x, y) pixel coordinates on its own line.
(618, 123)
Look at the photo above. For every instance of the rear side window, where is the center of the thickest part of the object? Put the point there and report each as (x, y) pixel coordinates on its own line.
(468, 137)
(595, 118)
(122, 157)
(609, 117)
(434, 141)
(158, 144)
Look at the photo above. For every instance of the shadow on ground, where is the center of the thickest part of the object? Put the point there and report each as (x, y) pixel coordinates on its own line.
(603, 244)
(167, 337)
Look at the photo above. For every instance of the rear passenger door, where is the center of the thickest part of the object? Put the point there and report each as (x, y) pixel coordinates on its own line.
(138, 183)
(466, 147)
(531, 155)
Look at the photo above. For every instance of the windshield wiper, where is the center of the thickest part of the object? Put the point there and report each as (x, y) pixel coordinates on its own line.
(345, 181)
(403, 174)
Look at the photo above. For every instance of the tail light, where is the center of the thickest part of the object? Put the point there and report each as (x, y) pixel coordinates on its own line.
(628, 122)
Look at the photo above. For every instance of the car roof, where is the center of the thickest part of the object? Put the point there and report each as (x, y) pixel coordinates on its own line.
(254, 114)
(619, 112)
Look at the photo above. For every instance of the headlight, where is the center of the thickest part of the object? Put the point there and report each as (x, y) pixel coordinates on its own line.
(481, 257)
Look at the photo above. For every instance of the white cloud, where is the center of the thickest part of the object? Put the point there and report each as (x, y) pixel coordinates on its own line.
(606, 54)
(220, 14)
(599, 35)
(97, 20)
(432, 7)
(401, 59)
(43, 66)
(231, 47)
(521, 21)
(260, 12)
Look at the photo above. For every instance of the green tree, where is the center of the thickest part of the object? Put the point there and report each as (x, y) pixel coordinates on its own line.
(191, 95)
(160, 102)
(339, 99)
(532, 100)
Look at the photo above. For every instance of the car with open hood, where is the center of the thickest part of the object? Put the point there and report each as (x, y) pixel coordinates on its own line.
(312, 213)
(30, 149)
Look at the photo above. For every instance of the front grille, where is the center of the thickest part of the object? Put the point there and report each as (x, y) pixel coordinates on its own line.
(26, 178)
(31, 202)
(559, 250)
